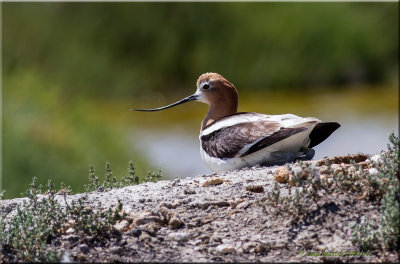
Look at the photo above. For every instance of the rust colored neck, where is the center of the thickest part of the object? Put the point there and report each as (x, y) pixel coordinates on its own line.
(218, 110)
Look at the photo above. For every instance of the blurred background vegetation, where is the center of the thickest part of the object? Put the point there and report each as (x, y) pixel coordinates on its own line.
(71, 71)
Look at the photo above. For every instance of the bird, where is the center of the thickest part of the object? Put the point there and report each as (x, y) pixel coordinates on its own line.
(231, 140)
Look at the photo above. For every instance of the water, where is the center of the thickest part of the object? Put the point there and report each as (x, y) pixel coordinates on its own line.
(176, 152)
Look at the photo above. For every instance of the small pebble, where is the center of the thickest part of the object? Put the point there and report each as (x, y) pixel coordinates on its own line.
(373, 171)
(151, 229)
(248, 245)
(226, 241)
(338, 170)
(189, 191)
(145, 236)
(243, 205)
(136, 232)
(116, 232)
(281, 174)
(132, 215)
(72, 239)
(70, 231)
(225, 249)
(213, 181)
(352, 169)
(122, 225)
(238, 201)
(255, 188)
(179, 236)
(335, 166)
(115, 250)
(324, 170)
(261, 248)
(89, 239)
(175, 222)
(204, 239)
(232, 204)
(147, 217)
(84, 248)
(8, 209)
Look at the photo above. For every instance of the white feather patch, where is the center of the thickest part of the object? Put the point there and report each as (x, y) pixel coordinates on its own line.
(231, 121)
(287, 120)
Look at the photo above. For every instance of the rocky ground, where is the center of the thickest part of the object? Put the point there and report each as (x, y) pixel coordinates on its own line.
(224, 217)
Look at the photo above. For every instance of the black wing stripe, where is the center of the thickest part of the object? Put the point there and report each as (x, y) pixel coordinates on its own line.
(228, 141)
(274, 138)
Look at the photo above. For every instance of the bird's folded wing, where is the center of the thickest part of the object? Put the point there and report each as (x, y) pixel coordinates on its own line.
(245, 138)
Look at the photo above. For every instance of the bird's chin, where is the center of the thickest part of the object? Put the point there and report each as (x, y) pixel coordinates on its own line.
(203, 101)
(201, 98)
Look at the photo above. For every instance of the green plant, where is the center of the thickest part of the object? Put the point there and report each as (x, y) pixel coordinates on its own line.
(31, 234)
(131, 178)
(37, 222)
(111, 182)
(302, 197)
(153, 176)
(384, 183)
(93, 180)
(95, 222)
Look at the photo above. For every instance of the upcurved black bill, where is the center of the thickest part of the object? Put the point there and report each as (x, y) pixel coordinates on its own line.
(185, 100)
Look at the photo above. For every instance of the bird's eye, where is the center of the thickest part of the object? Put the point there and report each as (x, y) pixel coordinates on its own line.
(206, 86)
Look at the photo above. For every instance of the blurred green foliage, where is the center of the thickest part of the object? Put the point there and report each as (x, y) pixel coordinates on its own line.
(127, 48)
(69, 68)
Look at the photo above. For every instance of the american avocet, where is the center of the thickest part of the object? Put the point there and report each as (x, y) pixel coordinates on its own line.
(231, 140)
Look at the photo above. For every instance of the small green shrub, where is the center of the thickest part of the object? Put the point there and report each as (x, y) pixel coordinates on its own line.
(153, 176)
(111, 182)
(30, 235)
(131, 178)
(96, 223)
(302, 198)
(37, 221)
(385, 184)
(94, 183)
